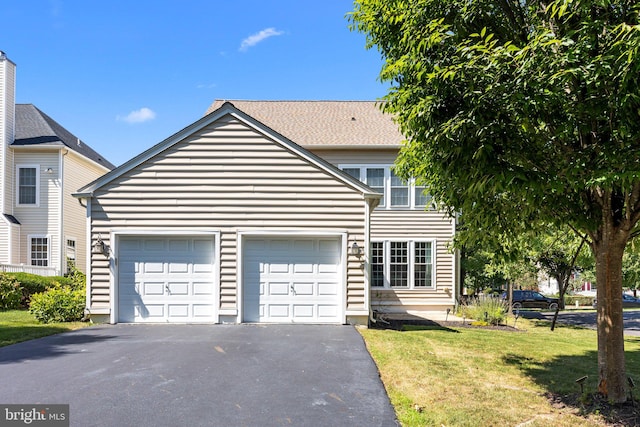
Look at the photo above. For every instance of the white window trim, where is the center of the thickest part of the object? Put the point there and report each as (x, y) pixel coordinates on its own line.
(411, 248)
(66, 249)
(29, 243)
(387, 185)
(28, 166)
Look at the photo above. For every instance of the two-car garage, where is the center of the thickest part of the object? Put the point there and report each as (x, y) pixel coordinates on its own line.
(175, 279)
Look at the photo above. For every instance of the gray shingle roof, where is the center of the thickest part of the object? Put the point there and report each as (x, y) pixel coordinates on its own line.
(329, 123)
(35, 127)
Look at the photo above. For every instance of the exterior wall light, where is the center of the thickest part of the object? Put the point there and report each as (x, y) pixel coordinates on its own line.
(355, 249)
(49, 171)
(100, 247)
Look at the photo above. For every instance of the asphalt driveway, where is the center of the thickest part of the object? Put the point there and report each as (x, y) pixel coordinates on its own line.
(200, 375)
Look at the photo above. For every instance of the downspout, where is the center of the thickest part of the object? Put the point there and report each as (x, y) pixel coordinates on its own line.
(457, 286)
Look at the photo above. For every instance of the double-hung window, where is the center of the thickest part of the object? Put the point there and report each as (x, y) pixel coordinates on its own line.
(396, 193)
(27, 178)
(39, 251)
(403, 264)
(71, 252)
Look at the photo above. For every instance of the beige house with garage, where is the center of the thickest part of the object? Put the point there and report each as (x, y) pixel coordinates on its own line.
(42, 227)
(269, 212)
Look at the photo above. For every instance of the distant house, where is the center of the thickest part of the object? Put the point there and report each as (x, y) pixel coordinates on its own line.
(42, 227)
(270, 212)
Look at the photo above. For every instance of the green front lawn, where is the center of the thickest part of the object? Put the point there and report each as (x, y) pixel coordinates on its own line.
(461, 376)
(20, 325)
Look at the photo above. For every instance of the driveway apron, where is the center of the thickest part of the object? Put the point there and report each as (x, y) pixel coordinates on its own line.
(200, 375)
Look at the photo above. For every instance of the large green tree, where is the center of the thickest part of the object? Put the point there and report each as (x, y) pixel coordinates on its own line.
(518, 112)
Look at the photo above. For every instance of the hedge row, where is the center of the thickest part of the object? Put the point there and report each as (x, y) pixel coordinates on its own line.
(49, 299)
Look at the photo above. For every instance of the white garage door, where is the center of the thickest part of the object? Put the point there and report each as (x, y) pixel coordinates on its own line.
(292, 280)
(166, 279)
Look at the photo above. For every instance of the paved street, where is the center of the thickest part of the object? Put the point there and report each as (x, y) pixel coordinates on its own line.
(587, 318)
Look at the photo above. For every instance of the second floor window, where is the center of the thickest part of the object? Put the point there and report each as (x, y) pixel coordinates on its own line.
(27, 185)
(396, 193)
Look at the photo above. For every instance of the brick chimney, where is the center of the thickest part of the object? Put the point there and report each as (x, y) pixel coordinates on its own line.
(7, 123)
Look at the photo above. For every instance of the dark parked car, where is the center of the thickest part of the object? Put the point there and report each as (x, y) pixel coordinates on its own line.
(531, 299)
(627, 301)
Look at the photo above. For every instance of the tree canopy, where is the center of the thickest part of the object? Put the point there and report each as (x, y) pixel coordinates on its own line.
(518, 113)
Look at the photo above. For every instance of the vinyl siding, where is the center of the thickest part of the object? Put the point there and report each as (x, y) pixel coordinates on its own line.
(77, 172)
(227, 177)
(4, 242)
(390, 224)
(417, 224)
(43, 219)
(364, 156)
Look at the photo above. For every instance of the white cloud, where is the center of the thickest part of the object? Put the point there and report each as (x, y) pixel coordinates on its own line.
(206, 86)
(256, 38)
(138, 116)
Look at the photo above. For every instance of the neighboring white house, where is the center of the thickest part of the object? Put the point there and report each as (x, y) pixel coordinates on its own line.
(42, 227)
(267, 212)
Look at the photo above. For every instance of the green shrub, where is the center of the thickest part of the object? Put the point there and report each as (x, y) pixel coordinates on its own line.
(33, 283)
(60, 304)
(77, 278)
(490, 310)
(10, 292)
(583, 300)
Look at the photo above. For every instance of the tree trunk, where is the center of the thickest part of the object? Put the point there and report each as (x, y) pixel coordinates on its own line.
(608, 250)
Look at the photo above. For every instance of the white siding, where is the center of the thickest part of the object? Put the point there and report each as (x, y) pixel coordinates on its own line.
(43, 219)
(78, 172)
(4, 242)
(7, 124)
(227, 178)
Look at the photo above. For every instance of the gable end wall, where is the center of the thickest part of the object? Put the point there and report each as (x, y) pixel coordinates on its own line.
(228, 178)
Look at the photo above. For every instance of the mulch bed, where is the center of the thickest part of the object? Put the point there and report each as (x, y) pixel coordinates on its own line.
(401, 324)
(621, 415)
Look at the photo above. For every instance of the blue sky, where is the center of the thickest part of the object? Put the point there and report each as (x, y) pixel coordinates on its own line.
(124, 75)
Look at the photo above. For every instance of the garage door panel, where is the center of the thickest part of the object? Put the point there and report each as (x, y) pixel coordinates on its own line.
(328, 288)
(151, 310)
(151, 245)
(327, 311)
(166, 279)
(178, 310)
(290, 279)
(301, 268)
(178, 288)
(304, 288)
(202, 310)
(278, 289)
(151, 267)
(278, 311)
(151, 288)
(179, 267)
(301, 311)
(202, 289)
